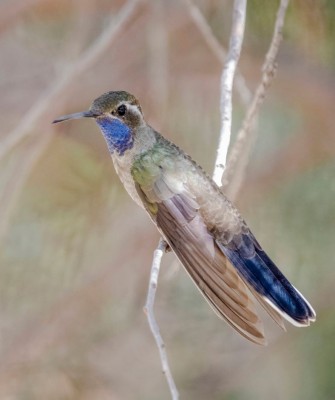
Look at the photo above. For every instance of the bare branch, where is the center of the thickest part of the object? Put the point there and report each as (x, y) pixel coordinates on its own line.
(229, 70)
(41, 112)
(227, 78)
(149, 310)
(241, 148)
(217, 49)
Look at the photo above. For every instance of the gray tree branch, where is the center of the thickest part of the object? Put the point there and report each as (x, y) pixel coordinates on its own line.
(229, 71)
(149, 311)
(239, 155)
(227, 79)
(217, 48)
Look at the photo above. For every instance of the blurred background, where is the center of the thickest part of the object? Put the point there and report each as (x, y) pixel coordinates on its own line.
(76, 251)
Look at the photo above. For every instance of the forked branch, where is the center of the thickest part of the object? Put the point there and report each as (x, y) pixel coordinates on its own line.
(240, 150)
(239, 155)
(236, 40)
(217, 49)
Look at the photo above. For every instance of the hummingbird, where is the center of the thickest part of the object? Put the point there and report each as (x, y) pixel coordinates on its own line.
(198, 222)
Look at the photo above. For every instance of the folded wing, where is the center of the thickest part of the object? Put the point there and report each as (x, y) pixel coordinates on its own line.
(214, 244)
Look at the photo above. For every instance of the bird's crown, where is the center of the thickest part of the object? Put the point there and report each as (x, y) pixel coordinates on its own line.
(110, 102)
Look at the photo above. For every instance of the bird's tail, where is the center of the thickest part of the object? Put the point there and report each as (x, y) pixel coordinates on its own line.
(259, 272)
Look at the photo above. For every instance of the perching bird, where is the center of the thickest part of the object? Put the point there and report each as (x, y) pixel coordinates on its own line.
(201, 226)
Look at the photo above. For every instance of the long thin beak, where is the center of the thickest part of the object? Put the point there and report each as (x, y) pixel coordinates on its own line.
(84, 114)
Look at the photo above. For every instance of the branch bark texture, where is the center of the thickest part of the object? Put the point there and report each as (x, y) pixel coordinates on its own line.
(234, 173)
(227, 79)
(149, 311)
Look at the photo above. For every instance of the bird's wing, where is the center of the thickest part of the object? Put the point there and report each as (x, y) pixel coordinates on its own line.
(184, 229)
(214, 244)
(175, 210)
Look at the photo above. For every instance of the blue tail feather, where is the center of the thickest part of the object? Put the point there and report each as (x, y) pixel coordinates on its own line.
(254, 265)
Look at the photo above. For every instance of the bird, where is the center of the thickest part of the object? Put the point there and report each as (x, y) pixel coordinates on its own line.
(197, 221)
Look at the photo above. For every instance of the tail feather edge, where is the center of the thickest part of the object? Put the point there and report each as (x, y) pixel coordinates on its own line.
(262, 275)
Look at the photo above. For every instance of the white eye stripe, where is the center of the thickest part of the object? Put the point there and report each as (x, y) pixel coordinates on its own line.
(134, 108)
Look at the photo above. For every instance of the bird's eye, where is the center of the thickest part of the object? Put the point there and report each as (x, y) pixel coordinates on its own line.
(121, 110)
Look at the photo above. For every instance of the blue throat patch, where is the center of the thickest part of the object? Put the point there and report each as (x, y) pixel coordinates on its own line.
(118, 135)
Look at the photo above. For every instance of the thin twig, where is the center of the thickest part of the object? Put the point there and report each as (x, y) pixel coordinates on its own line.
(229, 71)
(241, 149)
(149, 310)
(227, 78)
(41, 113)
(217, 49)
(43, 109)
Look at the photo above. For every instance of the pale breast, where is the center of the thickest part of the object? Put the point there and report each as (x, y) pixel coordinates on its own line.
(122, 167)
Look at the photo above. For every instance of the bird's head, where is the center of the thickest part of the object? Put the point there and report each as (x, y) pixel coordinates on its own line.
(118, 115)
